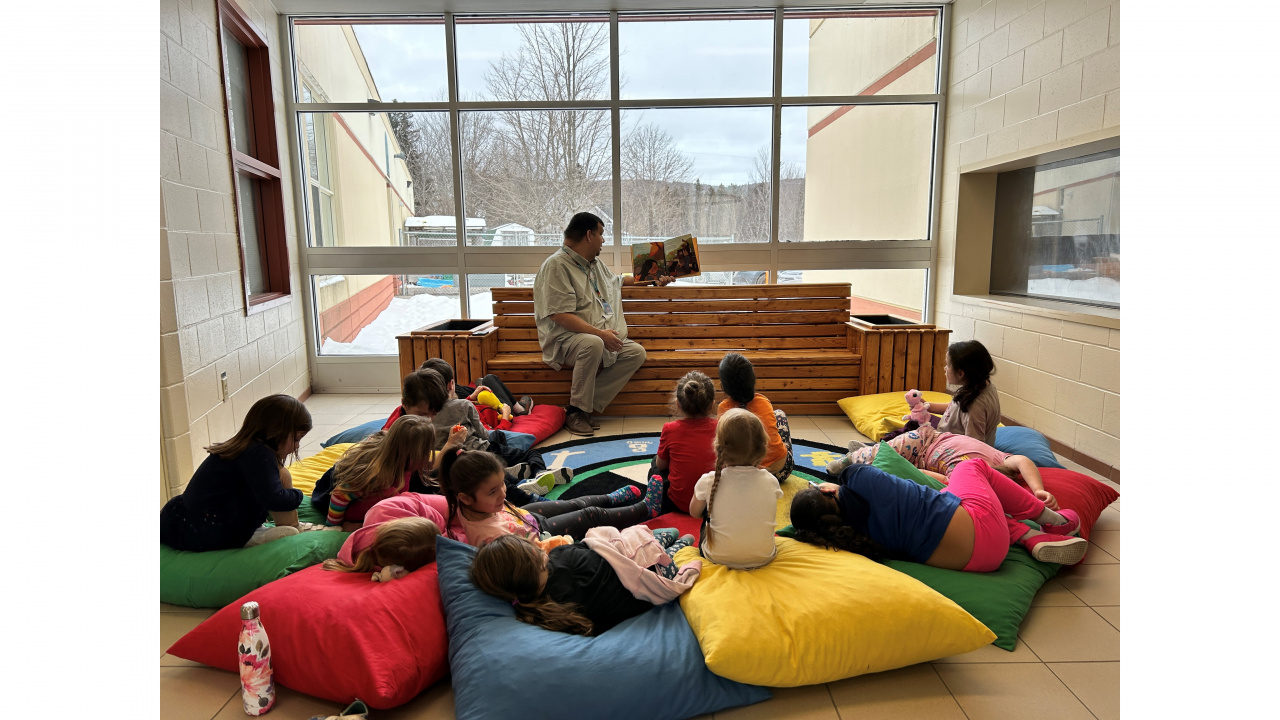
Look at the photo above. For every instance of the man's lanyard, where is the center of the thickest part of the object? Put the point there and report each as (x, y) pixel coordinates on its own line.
(608, 309)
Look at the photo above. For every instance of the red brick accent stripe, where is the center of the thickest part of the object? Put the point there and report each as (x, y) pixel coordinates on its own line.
(885, 80)
(344, 321)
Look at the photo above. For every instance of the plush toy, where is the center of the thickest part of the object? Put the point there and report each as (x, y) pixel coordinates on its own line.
(919, 408)
(389, 573)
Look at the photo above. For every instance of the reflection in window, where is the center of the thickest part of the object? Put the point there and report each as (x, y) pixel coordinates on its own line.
(1057, 231)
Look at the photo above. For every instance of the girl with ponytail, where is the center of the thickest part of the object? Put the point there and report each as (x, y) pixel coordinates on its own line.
(475, 488)
(739, 499)
(685, 446)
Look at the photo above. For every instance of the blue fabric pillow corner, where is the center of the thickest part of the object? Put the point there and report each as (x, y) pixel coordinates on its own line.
(650, 666)
(1017, 440)
(355, 434)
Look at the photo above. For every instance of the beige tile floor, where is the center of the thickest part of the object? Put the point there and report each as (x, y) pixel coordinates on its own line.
(1066, 664)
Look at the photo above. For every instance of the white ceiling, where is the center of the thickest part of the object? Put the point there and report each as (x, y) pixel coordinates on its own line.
(338, 7)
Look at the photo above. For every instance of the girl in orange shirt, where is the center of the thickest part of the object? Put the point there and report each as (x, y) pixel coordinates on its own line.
(738, 381)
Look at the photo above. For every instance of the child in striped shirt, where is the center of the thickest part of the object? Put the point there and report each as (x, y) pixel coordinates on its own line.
(384, 465)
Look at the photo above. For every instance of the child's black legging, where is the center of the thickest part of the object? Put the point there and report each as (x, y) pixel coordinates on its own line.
(575, 517)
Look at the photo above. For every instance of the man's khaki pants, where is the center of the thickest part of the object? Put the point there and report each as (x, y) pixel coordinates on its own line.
(594, 388)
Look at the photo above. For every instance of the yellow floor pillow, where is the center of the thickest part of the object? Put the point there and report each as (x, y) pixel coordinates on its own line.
(875, 415)
(815, 615)
(306, 472)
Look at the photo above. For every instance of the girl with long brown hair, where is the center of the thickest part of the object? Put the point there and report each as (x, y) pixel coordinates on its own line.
(570, 589)
(739, 499)
(241, 482)
(384, 465)
(474, 485)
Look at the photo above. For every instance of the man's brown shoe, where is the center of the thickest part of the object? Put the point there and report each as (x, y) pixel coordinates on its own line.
(579, 424)
(594, 422)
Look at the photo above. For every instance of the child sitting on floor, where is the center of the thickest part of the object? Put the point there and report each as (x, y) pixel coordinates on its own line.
(476, 492)
(240, 483)
(384, 465)
(490, 396)
(576, 588)
(738, 381)
(685, 448)
(739, 499)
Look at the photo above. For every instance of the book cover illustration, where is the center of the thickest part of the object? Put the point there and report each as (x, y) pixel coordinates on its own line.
(677, 257)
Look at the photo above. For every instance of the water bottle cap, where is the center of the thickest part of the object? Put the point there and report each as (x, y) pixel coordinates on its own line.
(249, 611)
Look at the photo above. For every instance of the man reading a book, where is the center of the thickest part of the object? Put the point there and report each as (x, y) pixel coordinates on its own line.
(577, 303)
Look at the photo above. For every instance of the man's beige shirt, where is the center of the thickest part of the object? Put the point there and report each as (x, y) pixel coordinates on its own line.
(563, 285)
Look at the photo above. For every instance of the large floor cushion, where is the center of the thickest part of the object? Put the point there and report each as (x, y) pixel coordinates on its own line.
(307, 471)
(355, 434)
(218, 577)
(814, 615)
(541, 423)
(339, 636)
(646, 668)
(1018, 440)
(875, 415)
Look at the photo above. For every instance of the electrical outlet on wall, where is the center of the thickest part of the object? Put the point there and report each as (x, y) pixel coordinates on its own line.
(225, 389)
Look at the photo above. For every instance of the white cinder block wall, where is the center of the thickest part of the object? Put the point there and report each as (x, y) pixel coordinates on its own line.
(1026, 75)
(203, 327)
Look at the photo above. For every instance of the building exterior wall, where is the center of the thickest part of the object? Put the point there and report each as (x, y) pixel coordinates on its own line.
(203, 327)
(1026, 75)
(371, 196)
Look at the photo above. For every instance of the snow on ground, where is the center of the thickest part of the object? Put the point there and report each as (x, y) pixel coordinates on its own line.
(401, 316)
(1102, 289)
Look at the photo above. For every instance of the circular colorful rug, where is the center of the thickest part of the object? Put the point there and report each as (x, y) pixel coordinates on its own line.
(602, 465)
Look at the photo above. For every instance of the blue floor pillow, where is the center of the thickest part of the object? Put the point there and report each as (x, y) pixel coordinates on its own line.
(355, 434)
(647, 667)
(1017, 440)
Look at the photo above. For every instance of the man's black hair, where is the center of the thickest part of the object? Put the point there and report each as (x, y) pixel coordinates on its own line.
(580, 225)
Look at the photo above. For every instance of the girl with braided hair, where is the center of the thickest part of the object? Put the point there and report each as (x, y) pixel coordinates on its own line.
(739, 499)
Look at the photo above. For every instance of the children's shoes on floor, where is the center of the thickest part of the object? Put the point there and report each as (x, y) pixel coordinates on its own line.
(355, 711)
(1060, 549)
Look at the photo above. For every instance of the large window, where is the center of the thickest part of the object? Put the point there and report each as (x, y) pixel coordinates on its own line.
(458, 146)
(1057, 231)
(246, 70)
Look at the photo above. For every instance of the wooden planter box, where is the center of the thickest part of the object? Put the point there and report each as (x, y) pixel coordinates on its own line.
(898, 354)
(464, 344)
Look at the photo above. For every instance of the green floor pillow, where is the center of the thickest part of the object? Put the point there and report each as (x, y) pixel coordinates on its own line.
(219, 577)
(997, 599)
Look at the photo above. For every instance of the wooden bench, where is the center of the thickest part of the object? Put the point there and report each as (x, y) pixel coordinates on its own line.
(806, 352)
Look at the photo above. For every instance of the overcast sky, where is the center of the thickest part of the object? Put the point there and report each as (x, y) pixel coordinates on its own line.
(723, 58)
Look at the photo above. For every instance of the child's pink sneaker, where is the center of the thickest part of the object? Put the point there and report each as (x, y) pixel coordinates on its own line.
(1068, 528)
(1060, 549)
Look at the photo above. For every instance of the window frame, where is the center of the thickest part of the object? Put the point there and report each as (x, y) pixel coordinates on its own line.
(1001, 242)
(263, 168)
(465, 260)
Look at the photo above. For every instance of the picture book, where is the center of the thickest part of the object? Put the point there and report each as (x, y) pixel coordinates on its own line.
(677, 257)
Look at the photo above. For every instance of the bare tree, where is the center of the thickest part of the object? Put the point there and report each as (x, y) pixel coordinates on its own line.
(548, 164)
(654, 180)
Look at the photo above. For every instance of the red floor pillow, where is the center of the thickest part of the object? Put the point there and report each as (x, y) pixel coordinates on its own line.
(542, 422)
(685, 523)
(1079, 492)
(339, 636)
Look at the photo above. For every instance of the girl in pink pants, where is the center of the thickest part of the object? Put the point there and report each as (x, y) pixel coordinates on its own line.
(969, 525)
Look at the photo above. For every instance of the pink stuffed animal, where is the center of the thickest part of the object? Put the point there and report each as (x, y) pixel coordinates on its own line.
(919, 408)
